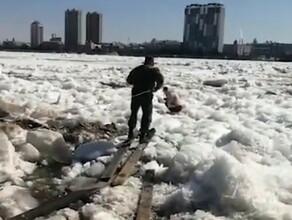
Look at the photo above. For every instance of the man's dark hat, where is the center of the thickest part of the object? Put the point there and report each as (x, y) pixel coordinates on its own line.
(149, 60)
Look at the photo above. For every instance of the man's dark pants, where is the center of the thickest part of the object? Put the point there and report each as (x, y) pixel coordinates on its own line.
(145, 102)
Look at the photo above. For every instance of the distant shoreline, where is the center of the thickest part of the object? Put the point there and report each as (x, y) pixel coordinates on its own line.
(180, 56)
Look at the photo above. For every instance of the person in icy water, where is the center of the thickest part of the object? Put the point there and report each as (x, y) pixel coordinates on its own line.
(172, 101)
(145, 79)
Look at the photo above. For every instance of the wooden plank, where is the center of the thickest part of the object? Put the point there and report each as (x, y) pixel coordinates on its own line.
(145, 201)
(111, 169)
(61, 202)
(54, 204)
(129, 166)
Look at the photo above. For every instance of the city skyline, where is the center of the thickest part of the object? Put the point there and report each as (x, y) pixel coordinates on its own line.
(161, 20)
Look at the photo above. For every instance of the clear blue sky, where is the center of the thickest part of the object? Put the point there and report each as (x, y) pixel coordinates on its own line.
(142, 20)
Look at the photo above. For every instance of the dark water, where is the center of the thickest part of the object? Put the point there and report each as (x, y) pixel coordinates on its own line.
(43, 187)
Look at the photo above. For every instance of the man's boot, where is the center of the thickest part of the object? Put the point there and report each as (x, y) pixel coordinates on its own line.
(143, 138)
(131, 135)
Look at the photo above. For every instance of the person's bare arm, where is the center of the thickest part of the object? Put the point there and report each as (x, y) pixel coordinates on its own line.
(175, 99)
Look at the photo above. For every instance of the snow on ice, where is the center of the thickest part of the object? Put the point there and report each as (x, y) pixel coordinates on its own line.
(228, 156)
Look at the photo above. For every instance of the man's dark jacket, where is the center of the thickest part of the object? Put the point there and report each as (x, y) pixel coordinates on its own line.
(144, 78)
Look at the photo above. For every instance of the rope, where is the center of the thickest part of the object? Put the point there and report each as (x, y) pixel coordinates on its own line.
(88, 106)
(141, 93)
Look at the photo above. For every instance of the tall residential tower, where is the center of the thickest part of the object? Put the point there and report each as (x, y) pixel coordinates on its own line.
(36, 34)
(75, 33)
(204, 27)
(94, 27)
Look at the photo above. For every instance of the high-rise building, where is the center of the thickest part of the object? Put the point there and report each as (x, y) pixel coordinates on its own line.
(94, 27)
(74, 29)
(204, 27)
(36, 34)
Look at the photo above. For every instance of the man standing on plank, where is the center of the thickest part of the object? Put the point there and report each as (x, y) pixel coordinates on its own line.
(145, 79)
